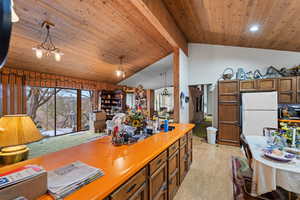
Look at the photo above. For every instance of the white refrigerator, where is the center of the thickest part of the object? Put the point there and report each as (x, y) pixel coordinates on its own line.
(259, 110)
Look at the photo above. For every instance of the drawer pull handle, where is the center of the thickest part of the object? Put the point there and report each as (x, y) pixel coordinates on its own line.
(131, 188)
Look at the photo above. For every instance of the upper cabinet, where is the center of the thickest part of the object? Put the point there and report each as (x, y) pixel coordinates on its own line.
(258, 85)
(229, 91)
(287, 87)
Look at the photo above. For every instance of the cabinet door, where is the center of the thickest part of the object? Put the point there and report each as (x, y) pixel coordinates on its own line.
(266, 84)
(182, 162)
(287, 90)
(173, 173)
(228, 91)
(229, 112)
(247, 85)
(141, 194)
(158, 187)
(298, 89)
(229, 133)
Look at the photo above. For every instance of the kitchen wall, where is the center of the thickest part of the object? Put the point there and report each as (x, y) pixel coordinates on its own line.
(184, 86)
(150, 77)
(207, 62)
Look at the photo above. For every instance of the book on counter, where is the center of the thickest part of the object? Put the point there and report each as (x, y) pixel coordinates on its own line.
(65, 180)
(19, 175)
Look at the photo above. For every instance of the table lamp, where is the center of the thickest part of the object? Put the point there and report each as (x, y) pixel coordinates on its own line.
(15, 132)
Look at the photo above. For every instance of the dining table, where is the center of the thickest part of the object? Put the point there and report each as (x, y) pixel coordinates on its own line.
(269, 174)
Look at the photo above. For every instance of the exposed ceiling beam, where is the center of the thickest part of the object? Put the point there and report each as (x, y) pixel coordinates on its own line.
(157, 14)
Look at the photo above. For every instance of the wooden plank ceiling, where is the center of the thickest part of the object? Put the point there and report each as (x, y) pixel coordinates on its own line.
(92, 34)
(227, 22)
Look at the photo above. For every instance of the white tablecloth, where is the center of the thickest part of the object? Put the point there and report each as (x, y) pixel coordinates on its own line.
(268, 174)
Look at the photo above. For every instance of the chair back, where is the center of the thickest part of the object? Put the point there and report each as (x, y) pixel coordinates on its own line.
(246, 148)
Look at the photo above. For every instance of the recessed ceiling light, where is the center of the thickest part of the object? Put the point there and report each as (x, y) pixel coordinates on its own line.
(254, 28)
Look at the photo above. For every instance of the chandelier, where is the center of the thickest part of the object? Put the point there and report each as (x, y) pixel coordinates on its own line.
(165, 91)
(120, 72)
(47, 47)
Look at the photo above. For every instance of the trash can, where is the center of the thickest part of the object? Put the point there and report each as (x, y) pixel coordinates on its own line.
(211, 135)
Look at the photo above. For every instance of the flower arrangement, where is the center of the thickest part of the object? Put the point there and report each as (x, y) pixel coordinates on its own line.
(136, 118)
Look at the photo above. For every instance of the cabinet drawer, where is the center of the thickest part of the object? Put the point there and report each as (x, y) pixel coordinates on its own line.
(182, 140)
(131, 186)
(157, 162)
(172, 149)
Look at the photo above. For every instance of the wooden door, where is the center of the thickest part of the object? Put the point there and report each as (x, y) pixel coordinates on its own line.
(173, 173)
(158, 188)
(266, 84)
(141, 194)
(229, 124)
(228, 91)
(247, 85)
(298, 89)
(182, 162)
(287, 90)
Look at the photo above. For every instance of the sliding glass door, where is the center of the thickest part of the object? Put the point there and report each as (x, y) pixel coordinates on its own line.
(41, 108)
(86, 109)
(66, 111)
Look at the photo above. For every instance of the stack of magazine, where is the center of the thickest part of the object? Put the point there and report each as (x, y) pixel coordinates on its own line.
(19, 175)
(66, 180)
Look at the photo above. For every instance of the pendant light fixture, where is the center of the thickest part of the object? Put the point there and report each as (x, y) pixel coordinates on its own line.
(165, 91)
(47, 47)
(120, 71)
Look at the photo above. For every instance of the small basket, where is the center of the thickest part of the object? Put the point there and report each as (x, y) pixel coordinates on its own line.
(227, 74)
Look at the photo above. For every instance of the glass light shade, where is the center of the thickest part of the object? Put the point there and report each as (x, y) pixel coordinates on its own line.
(14, 16)
(38, 52)
(119, 73)
(57, 56)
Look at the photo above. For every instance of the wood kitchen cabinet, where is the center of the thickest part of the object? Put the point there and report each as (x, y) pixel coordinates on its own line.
(228, 91)
(229, 115)
(134, 187)
(160, 179)
(183, 158)
(158, 187)
(298, 90)
(287, 87)
(248, 85)
(141, 194)
(258, 85)
(173, 170)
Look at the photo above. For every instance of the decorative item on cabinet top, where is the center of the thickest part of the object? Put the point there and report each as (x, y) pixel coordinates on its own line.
(271, 72)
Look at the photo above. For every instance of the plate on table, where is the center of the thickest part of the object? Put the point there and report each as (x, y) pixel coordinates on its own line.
(284, 157)
(292, 150)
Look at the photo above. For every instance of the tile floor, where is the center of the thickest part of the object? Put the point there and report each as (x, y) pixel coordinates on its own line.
(210, 175)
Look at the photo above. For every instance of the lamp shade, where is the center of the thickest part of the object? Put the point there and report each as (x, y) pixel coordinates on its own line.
(18, 129)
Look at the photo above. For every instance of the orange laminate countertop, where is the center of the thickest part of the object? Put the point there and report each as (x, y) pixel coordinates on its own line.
(289, 120)
(119, 163)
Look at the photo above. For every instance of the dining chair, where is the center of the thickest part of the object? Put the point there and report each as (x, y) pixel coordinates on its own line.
(246, 148)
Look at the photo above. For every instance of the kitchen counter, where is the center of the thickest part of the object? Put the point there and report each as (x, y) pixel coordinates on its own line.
(289, 120)
(119, 163)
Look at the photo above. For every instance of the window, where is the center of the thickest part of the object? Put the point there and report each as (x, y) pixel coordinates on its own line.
(130, 100)
(66, 111)
(40, 106)
(86, 109)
